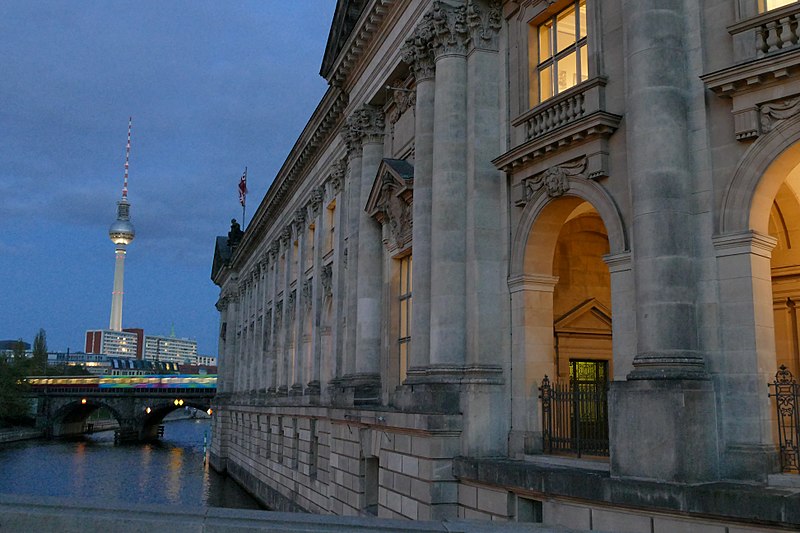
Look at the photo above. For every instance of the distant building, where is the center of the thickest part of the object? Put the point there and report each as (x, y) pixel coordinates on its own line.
(7, 347)
(94, 363)
(206, 360)
(170, 349)
(113, 343)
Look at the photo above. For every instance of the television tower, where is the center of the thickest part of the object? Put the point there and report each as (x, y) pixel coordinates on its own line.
(121, 234)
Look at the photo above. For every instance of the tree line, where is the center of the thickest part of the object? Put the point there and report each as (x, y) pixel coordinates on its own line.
(14, 366)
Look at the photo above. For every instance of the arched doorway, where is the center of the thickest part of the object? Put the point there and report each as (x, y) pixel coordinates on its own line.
(569, 256)
(758, 260)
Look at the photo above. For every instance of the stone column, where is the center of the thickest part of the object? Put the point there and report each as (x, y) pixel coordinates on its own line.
(668, 404)
(335, 367)
(262, 336)
(486, 230)
(313, 364)
(449, 193)
(351, 215)
(241, 340)
(284, 371)
(272, 364)
(661, 191)
(298, 381)
(417, 54)
(369, 123)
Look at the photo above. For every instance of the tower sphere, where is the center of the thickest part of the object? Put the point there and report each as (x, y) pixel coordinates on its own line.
(121, 232)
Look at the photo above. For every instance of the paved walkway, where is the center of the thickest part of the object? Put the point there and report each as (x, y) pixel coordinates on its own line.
(19, 433)
(25, 513)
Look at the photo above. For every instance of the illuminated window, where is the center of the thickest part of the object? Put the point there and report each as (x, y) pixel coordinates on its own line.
(331, 226)
(768, 5)
(310, 246)
(404, 299)
(560, 54)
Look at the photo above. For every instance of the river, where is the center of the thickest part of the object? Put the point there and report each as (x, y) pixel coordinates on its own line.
(171, 471)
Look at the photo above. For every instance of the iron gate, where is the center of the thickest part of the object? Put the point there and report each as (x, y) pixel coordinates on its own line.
(786, 392)
(574, 418)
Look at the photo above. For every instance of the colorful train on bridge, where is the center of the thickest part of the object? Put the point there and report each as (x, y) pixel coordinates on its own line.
(171, 381)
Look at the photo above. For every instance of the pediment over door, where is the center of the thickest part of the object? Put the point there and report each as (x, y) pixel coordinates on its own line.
(589, 318)
(390, 203)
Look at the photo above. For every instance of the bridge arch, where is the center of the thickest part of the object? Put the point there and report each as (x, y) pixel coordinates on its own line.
(70, 415)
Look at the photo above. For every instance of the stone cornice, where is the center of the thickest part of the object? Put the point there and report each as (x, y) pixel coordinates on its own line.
(370, 22)
(755, 74)
(597, 125)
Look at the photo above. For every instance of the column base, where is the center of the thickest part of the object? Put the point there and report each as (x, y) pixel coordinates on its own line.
(678, 364)
(359, 389)
(439, 388)
(750, 462)
(664, 430)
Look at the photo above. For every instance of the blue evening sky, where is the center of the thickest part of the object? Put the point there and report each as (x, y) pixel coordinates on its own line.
(212, 86)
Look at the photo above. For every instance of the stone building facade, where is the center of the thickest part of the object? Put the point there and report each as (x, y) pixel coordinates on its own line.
(529, 260)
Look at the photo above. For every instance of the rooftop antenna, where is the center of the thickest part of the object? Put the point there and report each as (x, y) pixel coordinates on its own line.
(127, 158)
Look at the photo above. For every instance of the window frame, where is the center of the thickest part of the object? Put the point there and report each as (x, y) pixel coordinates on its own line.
(537, 65)
(405, 309)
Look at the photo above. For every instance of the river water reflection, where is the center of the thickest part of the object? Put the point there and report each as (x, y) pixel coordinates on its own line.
(170, 472)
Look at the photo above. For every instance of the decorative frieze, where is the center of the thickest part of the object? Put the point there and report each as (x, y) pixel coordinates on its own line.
(774, 112)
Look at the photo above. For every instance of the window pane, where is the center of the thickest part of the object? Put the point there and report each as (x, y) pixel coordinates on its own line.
(545, 83)
(403, 318)
(775, 4)
(403, 360)
(545, 40)
(582, 21)
(565, 27)
(584, 63)
(567, 72)
(402, 276)
(410, 272)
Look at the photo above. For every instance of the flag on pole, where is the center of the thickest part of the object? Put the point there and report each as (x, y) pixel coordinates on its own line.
(243, 187)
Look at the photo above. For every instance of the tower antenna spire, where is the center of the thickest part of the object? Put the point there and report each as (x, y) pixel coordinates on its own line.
(127, 159)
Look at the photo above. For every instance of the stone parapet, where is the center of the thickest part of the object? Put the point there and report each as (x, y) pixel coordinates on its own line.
(700, 507)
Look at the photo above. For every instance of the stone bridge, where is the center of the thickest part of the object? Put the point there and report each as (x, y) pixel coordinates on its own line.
(63, 411)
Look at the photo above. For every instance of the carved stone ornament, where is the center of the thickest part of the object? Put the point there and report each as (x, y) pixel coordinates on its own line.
(326, 279)
(300, 219)
(286, 235)
(390, 202)
(315, 201)
(307, 288)
(450, 30)
(417, 51)
(484, 24)
(336, 179)
(274, 248)
(775, 112)
(291, 303)
(555, 179)
(403, 100)
(365, 125)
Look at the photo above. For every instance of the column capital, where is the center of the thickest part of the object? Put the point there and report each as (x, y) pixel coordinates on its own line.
(299, 220)
(417, 50)
(338, 170)
(364, 125)
(451, 33)
(484, 23)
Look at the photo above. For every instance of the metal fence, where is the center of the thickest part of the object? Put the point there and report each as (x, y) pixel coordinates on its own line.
(574, 418)
(786, 392)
